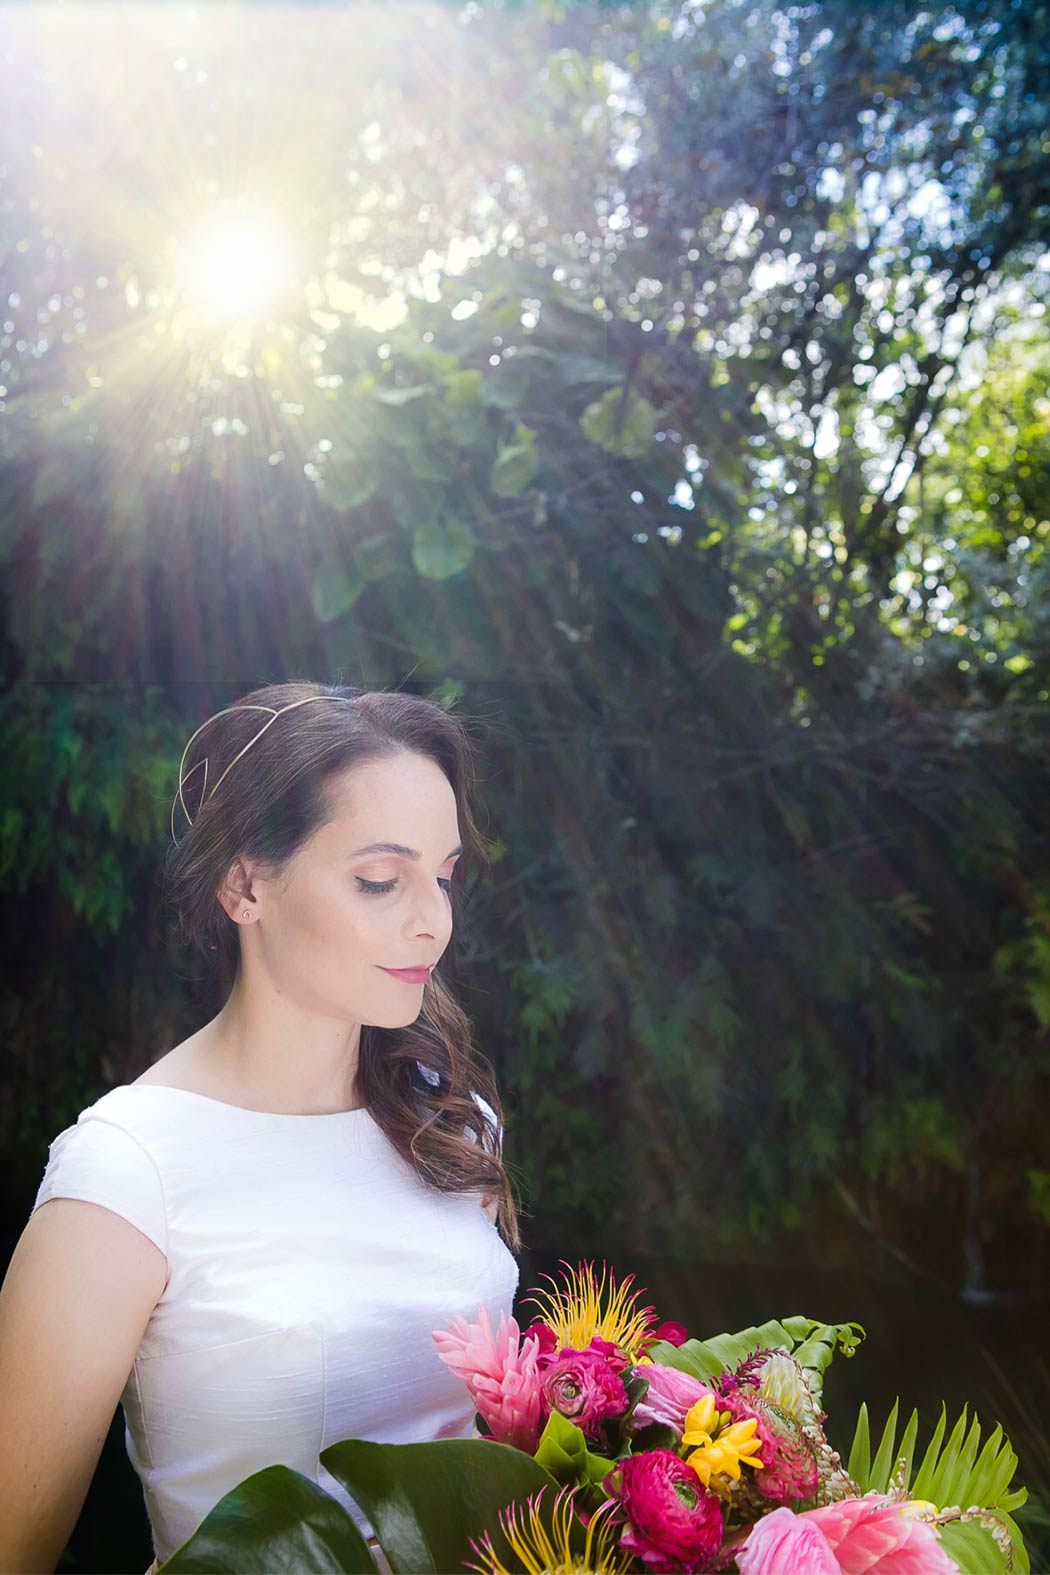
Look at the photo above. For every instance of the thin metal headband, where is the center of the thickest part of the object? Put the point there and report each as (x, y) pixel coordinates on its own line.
(345, 699)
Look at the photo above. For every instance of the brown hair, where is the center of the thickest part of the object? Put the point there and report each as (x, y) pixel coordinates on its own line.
(270, 804)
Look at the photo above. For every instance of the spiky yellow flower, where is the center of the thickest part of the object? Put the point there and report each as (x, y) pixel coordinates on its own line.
(720, 1449)
(576, 1313)
(540, 1553)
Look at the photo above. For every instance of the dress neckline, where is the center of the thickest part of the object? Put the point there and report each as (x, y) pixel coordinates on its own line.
(246, 1110)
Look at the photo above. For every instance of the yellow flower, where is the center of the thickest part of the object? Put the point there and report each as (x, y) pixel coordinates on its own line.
(576, 1313)
(720, 1449)
(540, 1553)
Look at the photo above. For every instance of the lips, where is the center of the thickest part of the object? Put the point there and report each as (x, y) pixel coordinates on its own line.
(410, 975)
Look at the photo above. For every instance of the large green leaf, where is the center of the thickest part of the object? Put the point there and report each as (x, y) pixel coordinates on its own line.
(812, 1343)
(277, 1520)
(427, 1500)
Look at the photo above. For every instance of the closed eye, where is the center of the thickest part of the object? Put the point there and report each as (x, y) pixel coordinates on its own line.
(377, 887)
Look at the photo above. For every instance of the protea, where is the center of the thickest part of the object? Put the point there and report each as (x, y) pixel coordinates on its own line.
(543, 1551)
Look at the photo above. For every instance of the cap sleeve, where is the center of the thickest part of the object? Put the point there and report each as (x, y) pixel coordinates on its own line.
(98, 1161)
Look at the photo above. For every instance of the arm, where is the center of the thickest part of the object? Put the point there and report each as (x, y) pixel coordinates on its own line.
(76, 1299)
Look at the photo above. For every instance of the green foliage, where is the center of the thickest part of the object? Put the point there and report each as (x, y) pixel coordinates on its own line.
(813, 1344)
(275, 1519)
(958, 1473)
(425, 1502)
(620, 422)
(563, 1452)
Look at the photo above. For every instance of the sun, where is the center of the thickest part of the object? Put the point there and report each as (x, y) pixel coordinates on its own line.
(235, 269)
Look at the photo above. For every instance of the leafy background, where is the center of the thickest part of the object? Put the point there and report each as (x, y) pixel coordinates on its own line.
(665, 388)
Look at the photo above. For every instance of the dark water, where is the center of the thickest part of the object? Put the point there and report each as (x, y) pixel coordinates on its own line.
(920, 1347)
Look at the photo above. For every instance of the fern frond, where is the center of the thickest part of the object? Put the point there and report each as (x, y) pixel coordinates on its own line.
(811, 1342)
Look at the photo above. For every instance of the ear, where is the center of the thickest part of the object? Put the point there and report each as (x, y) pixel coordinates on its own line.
(236, 888)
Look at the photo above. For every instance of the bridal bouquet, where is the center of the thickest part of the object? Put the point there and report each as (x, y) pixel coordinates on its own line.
(679, 1454)
(610, 1442)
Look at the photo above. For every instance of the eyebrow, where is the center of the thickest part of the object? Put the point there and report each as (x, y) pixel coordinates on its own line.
(401, 852)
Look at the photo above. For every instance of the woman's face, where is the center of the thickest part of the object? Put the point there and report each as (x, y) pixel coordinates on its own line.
(347, 910)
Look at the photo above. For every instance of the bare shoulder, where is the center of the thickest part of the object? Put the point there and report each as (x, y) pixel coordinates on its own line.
(177, 1068)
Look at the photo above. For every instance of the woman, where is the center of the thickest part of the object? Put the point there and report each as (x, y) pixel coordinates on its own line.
(250, 1245)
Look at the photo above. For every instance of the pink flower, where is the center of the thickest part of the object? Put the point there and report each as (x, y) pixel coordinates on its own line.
(586, 1388)
(615, 1355)
(673, 1333)
(546, 1340)
(504, 1379)
(860, 1536)
(674, 1522)
(786, 1544)
(789, 1467)
(669, 1396)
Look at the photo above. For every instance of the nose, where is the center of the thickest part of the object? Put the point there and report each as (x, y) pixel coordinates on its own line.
(436, 918)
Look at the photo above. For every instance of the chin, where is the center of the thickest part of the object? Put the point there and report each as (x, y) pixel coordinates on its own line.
(402, 1019)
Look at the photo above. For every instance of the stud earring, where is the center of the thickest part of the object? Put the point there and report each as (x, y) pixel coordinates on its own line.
(247, 913)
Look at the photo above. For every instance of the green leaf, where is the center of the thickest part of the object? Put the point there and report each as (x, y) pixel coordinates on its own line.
(398, 396)
(984, 1470)
(516, 465)
(973, 1548)
(426, 1500)
(276, 1519)
(817, 1343)
(882, 1465)
(503, 388)
(562, 1450)
(441, 549)
(336, 587)
(347, 481)
(859, 1462)
(625, 429)
(953, 1475)
(377, 555)
(924, 1476)
(907, 1447)
(576, 368)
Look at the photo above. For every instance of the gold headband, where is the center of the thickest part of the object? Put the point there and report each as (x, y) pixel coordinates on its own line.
(273, 717)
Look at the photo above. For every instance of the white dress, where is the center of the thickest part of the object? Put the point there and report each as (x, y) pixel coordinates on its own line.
(307, 1266)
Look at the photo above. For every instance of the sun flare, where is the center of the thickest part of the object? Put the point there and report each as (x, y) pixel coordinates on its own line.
(234, 270)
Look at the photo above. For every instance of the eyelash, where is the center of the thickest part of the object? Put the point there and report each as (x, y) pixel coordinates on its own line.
(377, 887)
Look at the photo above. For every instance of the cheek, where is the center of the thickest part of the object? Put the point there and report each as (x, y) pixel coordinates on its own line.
(334, 921)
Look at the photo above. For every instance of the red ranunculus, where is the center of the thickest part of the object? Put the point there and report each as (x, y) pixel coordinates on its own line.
(674, 1522)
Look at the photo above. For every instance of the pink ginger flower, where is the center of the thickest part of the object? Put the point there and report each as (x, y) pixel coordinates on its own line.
(855, 1536)
(674, 1521)
(504, 1378)
(585, 1387)
(669, 1396)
